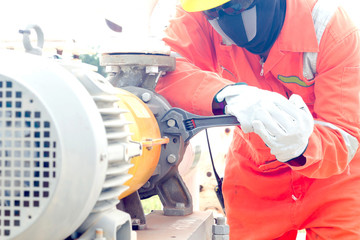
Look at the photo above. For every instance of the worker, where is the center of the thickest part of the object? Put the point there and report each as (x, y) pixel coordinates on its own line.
(289, 70)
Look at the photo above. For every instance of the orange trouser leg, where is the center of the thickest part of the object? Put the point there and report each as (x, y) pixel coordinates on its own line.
(331, 208)
(334, 233)
(263, 206)
(336, 220)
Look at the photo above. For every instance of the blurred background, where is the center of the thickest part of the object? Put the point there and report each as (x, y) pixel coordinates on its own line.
(79, 25)
(74, 26)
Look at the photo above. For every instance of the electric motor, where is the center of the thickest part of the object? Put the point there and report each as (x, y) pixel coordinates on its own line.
(65, 150)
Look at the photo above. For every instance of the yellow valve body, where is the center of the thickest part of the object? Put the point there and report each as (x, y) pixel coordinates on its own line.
(144, 127)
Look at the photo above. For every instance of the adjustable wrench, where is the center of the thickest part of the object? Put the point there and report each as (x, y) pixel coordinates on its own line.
(187, 125)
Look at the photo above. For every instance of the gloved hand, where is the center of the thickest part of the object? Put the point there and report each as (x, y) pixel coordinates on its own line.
(285, 125)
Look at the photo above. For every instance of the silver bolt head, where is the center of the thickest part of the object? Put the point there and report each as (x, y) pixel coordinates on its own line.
(171, 158)
(146, 97)
(171, 123)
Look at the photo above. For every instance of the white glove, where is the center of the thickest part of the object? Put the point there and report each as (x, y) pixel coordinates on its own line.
(284, 125)
(243, 101)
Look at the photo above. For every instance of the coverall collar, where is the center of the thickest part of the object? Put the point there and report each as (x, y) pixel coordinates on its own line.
(296, 18)
(294, 37)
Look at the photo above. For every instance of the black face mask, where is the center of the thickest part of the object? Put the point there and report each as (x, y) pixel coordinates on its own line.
(255, 29)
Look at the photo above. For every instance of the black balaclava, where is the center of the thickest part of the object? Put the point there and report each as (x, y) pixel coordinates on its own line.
(255, 29)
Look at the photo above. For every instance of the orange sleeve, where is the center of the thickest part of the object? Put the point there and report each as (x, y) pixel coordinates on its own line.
(337, 93)
(195, 82)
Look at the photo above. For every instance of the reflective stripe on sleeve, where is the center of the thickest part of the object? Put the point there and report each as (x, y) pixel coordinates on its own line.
(321, 14)
(351, 142)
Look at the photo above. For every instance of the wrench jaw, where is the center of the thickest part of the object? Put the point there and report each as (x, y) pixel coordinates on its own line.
(174, 119)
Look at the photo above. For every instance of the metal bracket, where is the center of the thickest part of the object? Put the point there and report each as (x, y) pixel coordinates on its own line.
(27, 42)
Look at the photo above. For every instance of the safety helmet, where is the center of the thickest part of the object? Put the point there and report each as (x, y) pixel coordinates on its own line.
(201, 5)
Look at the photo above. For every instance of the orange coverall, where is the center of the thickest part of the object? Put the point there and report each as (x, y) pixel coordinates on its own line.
(264, 198)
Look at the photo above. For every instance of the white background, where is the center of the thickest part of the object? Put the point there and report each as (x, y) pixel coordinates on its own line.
(84, 20)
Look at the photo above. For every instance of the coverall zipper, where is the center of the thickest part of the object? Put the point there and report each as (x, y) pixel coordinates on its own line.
(262, 61)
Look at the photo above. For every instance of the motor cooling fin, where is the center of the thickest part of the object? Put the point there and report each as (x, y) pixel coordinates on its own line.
(64, 150)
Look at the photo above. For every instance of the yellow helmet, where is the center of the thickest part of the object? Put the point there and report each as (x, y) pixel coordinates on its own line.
(201, 5)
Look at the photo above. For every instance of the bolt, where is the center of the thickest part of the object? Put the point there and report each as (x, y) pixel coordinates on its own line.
(171, 123)
(220, 221)
(179, 205)
(135, 221)
(152, 70)
(220, 230)
(112, 69)
(99, 234)
(147, 185)
(146, 97)
(171, 158)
